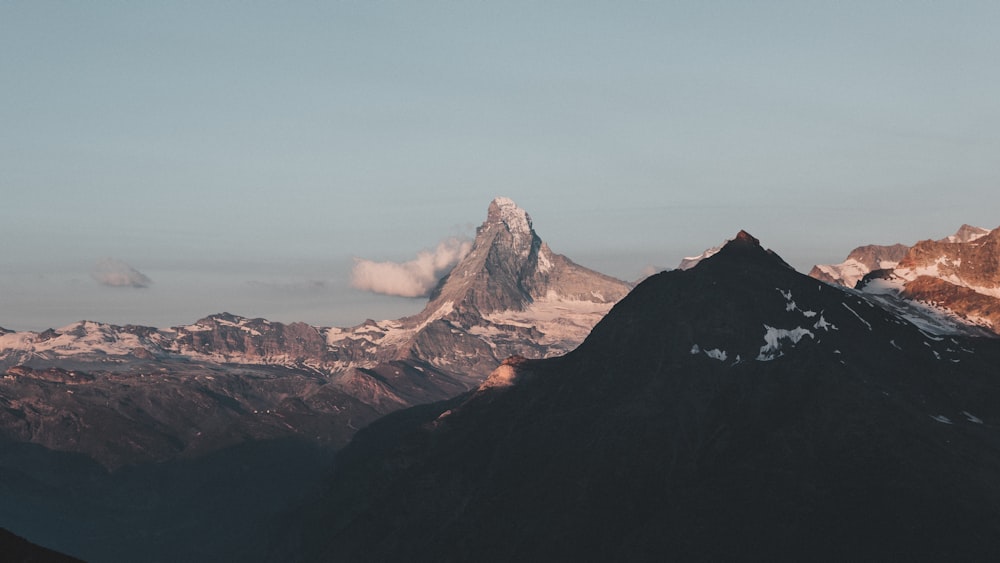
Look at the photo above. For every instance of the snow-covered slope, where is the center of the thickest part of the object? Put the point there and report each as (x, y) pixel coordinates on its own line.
(689, 262)
(950, 285)
(859, 263)
(973, 263)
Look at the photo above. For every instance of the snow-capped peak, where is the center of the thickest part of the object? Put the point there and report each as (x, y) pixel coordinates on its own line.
(966, 233)
(504, 210)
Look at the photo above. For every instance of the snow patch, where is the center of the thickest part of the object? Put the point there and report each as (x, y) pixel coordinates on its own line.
(691, 261)
(773, 337)
(971, 417)
(866, 323)
(791, 305)
(823, 324)
(716, 354)
(882, 286)
(544, 264)
(563, 322)
(847, 273)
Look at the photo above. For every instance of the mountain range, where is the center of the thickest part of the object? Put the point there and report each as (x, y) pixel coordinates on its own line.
(90, 412)
(732, 406)
(130, 394)
(954, 281)
(734, 410)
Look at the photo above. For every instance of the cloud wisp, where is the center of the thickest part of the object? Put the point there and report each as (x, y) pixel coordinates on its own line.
(414, 278)
(115, 273)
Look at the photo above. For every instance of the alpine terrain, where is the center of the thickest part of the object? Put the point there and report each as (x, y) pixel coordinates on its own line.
(953, 281)
(734, 410)
(92, 413)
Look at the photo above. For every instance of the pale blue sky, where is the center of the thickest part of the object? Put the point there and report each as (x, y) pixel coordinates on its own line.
(240, 154)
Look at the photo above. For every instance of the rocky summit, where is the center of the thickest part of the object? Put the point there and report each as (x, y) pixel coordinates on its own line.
(510, 269)
(737, 410)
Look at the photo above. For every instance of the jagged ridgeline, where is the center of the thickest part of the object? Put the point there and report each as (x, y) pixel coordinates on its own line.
(951, 284)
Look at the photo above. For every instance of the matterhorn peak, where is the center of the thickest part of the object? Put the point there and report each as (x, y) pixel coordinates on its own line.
(509, 226)
(503, 211)
(509, 267)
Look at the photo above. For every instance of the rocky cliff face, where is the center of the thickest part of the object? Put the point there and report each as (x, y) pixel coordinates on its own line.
(974, 264)
(961, 278)
(955, 279)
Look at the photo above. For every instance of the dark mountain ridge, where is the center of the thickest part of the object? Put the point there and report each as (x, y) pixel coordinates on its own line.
(16, 549)
(738, 410)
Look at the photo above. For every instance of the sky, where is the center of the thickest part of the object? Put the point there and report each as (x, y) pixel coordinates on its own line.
(160, 162)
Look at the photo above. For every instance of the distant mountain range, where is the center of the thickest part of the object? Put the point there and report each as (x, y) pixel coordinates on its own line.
(954, 282)
(730, 408)
(736, 410)
(100, 389)
(204, 395)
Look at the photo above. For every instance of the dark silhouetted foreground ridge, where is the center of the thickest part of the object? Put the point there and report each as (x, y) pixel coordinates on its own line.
(736, 410)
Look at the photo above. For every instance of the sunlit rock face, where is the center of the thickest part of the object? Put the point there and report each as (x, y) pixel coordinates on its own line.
(952, 282)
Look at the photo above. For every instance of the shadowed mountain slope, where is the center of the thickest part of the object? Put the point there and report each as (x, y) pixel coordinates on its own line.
(15, 549)
(737, 410)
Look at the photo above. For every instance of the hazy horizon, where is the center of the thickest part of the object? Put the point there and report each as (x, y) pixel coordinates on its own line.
(160, 163)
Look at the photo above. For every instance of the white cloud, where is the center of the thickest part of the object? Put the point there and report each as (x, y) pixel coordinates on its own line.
(115, 273)
(415, 278)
